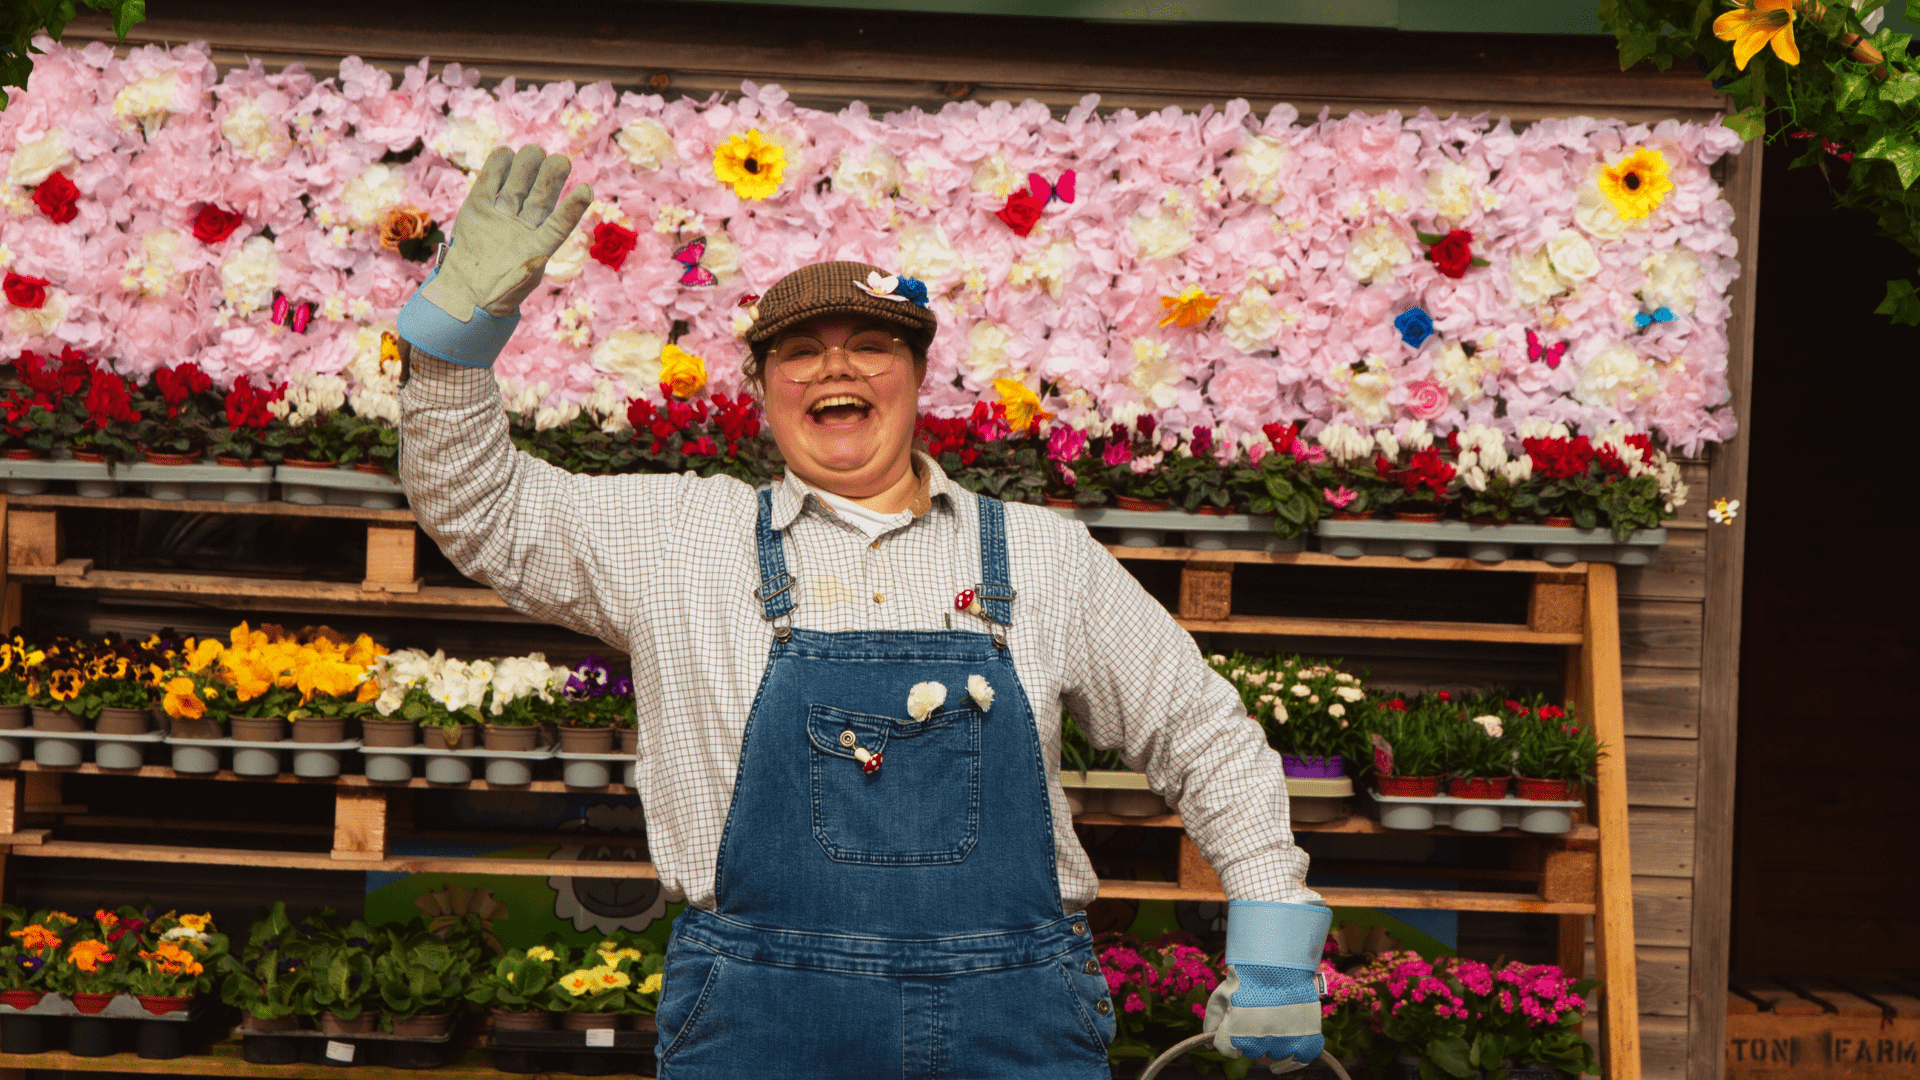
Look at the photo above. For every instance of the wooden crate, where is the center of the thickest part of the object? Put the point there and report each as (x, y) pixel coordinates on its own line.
(1822, 1029)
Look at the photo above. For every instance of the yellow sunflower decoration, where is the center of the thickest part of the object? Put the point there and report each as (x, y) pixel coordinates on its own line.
(1637, 184)
(1755, 25)
(751, 164)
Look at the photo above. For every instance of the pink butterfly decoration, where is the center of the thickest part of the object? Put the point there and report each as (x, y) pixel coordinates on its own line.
(1551, 354)
(689, 255)
(1061, 189)
(293, 316)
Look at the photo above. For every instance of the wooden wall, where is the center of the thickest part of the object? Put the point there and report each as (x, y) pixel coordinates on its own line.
(1680, 616)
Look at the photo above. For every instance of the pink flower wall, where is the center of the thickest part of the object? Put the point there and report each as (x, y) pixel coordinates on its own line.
(1310, 233)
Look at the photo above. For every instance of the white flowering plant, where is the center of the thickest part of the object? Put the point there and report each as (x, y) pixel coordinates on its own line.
(1309, 708)
(311, 427)
(1344, 472)
(1491, 485)
(432, 690)
(522, 691)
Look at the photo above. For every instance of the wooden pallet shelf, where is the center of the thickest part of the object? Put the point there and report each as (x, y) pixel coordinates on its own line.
(1384, 629)
(223, 1059)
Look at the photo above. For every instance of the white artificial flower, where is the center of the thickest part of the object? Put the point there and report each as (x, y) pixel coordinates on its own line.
(1594, 212)
(924, 698)
(633, 355)
(1367, 393)
(722, 256)
(925, 252)
(994, 176)
(1046, 268)
(1251, 321)
(1155, 375)
(1374, 253)
(146, 101)
(34, 161)
(980, 690)
(1450, 190)
(646, 142)
(1490, 723)
(570, 258)
(987, 345)
(1257, 164)
(1572, 257)
(1159, 237)
(249, 275)
(1613, 369)
(880, 285)
(468, 140)
(1673, 279)
(1531, 274)
(378, 189)
(868, 173)
(253, 132)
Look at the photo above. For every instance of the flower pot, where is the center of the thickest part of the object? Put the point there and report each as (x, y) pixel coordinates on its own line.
(267, 1049)
(1477, 787)
(23, 1034)
(1421, 517)
(302, 463)
(91, 1004)
(1557, 521)
(516, 1020)
(371, 468)
(91, 457)
(161, 1006)
(250, 1022)
(320, 729)
(629, 740)
(512, 737)
(118, 721)
(46, 719)
(1210, 510)
(258, 728)
(241, 463)
(1128, 502)
(584, 1021)
(160, 1040)
(423, 1027)
(24, 453)
(21, 999)
(13, 717)
(1059, 502)
(1410, 787)
(1545, 790)
(91, 1036)
(586, 740)
(642, 1022)
(1347, 515)
(365, 1024)
(1313, 768)
(435, 738)
(388, 732)
(156, 457)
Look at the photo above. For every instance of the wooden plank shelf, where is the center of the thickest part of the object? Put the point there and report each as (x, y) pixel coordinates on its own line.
(1386, 629)
(304, 860)
(164, 773)
(1321, 558)
(270, 507)
(223, 1059)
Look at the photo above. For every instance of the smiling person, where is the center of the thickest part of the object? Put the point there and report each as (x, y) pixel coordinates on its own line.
(849, 687)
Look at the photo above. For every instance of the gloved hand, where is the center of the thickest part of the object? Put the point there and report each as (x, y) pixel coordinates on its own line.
(505, 232)
(1268, 1006)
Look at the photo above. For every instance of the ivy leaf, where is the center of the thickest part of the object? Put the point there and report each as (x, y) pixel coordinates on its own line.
(1749, 124)
(1901, 89)
(1903, 155)
(1913, 11)
(1852, 86)
(1902, 304)
(1638, 45)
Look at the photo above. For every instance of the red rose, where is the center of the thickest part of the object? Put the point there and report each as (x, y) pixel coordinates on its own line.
(612, 244)
(1021, 212)
(56, 197)
(24, 291)
(212, 224)
(1453, 254)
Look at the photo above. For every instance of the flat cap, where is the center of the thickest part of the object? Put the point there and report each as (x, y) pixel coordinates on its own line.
(843, 288)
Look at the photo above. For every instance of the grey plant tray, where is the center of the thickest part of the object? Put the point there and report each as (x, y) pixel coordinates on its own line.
(416, 750)
(339, 487)
(122, 1007)
(90, 478)
(1207, 532)
(593, 770)
(1486, 543)
(205, 481)
(263, 744)
(1418, 813)
(81, 736)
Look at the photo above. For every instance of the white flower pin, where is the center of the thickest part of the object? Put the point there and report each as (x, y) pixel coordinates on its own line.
(881, 285)
(981, 691)
(924, 698)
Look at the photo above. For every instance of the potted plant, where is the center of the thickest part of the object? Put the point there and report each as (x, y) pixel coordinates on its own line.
(176, 405)
(1409, 745)
(592, 703)
(1279, 480)
(422, 977)
(592, 996)
(1204, 475)
(1347, 1020)
(89, 970)
(1479, 756)
(1308, 710)
(1074, 476)
(38, 419)
(339, 990)
(1159, 990)
(174, 960)
(1560, 465)
(311, 434)
(27, 959)
(1421, 1012)
(106, 420)
(1132, 459)
(1531, 1014)
(1555, 754)
(518, 988)
(1415, 475)
(1491, 487)
(520, 696)
(266, 981)
(17, 659)
(1345, 474)
(242, 442)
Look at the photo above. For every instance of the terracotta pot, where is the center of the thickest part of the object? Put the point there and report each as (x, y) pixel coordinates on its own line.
(388, 732)
(24, 453)
(1545, 790)
(250, 1022)
(512, 736)
(435, 738)
(586, 740)
(91, 457)
(423, 1027)
(514, 1020)
(302, 463)
(13, 717)
(1410, 787)
(46, 719)
(1477, 787)
(1128, 502)
(365, 1024)
(241, 463)
(1210, 510)
(320, 729)
(159, 721)
(642, 1022)
(1557, 521)
(1344, 515)
(258, 728)
(1051, 500)
(117, 721)
(201, 727)
(589, 1021)
(1426, 517)
(21, 999)
(156, 457)
(371, 468)
(92, 1004)
(161, 1006)
(629, 740)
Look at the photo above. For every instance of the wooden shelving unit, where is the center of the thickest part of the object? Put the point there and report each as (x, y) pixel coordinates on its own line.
(1572, 608)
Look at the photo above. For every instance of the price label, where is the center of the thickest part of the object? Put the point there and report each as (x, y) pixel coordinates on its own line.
(599, 1036)
(339, 1051)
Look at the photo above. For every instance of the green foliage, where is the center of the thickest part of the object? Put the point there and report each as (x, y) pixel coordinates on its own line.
(1079, 754)
(1416, 730)
(416, 972)
(268, 977)
(524, 978)
(20, 20)
(1851, 94)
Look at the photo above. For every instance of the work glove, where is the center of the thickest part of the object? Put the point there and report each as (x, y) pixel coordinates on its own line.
(1268, 1006)
(503, 236)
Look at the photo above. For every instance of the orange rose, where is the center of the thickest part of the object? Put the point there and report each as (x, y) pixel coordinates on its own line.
(406, 223)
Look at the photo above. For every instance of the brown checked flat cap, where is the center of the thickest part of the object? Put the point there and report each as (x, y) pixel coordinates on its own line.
(842, 288)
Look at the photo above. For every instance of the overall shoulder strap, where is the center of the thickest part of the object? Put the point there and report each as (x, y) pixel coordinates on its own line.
(995, 591)
(776, 585)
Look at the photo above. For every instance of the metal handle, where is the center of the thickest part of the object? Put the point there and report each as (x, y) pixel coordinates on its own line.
(1186, 1044)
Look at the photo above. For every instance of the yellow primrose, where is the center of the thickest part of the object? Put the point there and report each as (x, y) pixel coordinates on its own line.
(576, 983)
(540, 953)
(199, 924)
(607, 978)
(652, 984)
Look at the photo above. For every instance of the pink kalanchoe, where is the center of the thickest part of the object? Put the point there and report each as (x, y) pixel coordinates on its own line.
(1134, 1003)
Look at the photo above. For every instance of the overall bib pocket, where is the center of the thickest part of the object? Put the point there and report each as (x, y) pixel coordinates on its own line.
(922, 806)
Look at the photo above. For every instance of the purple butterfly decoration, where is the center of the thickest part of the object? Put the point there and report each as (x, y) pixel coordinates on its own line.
(1551, 354)
(689, 255)
(1061, 189)
(293, 316)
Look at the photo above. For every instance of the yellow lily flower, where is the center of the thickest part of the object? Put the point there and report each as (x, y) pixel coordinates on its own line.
(1023, 405)
(1752, 27)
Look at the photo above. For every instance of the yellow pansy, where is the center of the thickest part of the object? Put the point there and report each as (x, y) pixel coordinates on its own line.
(1023, 405)
(182, 700)
(749, 163)
(331, 677)
(202, 653)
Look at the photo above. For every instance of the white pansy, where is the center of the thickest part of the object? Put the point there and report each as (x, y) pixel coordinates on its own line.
(368, 197)
(924, 698)
(1155, 375)
(1613, 369)
(1673, 279)
(869, 173)
(993, 176)
(1594, 212)
(1572, 257)
(646, 142)
(1490, 723)
(632, 354)
(1257, 163)
(570, 258)
(1251, 321)
(468, 140)
(1046, 268)
(987, 343)
(981, 691)
(34, 161)
(925, 252)
(146, 101)
(1374, 253)
(1531, 274)
(1450, 190)
(43, 320)
(1160, 237)
(253, 132)
(250, 275)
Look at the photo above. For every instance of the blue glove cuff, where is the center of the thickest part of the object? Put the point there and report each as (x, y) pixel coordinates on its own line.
(1265, 933)
(436, 333)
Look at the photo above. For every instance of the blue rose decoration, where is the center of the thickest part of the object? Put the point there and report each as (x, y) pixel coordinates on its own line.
(913, 289)
(1415, 326)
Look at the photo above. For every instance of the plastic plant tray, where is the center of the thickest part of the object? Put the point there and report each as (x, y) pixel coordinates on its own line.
(1486, 543)
(623, 1039)
(81, 736)
(252, 744)
(541, 754)
(122, 1007)
(1419, 813)
(91, 478)
(592, 770)
(207, 481)
(1207, 532)
(339, 487)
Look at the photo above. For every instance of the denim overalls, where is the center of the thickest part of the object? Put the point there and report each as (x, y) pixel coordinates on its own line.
(899, 923)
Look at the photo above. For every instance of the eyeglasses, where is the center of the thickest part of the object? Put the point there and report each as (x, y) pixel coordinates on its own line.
(871, 352)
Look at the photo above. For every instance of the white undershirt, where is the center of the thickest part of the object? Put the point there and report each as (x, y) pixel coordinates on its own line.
(867, 520)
